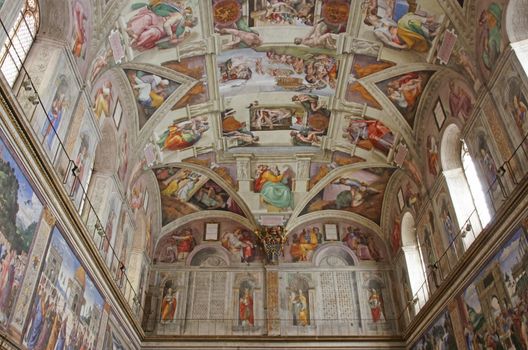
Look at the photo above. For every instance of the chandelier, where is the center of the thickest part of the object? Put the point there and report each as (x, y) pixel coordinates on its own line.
(272, 239)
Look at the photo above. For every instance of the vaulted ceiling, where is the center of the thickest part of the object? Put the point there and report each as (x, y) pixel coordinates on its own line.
(332, 98)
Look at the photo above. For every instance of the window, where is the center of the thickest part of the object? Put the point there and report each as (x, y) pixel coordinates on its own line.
(475, 186)
(468, 199)
(20, 38)
(415, 264)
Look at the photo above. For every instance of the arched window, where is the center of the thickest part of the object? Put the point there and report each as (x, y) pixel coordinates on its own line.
(467, 196)
(19, 40)
(475, 186)
(413, 259)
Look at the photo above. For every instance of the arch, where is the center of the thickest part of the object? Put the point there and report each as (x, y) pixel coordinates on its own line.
(413, 258)
(450, 148)
(334, 250)
(208, 254)
(408, 230)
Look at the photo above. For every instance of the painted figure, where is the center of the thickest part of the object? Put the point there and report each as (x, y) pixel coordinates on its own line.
(376, 305)
(303, 244)
(459, 102)
(410, 32)
(160, 23)
(181, 135)
(299, 308)
(239, 242)
(168, 306)
(54, 117)
(405, 91)
(103, 100)
(433, 164)
(80, 163)
(362, 244)
(80, 18)
(245, 307)
(272, 184)
(490, 23)
(319, 36)
(184, 244)
(357, 194)
(372, 131)
(151, 90)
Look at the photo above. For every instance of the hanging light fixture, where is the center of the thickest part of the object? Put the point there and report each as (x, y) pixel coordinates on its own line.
(272, 239)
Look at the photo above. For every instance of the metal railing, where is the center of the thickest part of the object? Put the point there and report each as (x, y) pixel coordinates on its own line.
(74, 187)
(508, 176)
(347, 326)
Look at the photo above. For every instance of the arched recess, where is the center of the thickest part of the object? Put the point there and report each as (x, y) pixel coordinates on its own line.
(335, 255)
(450, 151)
(413, 259)
(210, 255)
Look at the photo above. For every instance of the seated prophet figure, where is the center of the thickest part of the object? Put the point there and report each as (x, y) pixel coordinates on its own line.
(273, 187)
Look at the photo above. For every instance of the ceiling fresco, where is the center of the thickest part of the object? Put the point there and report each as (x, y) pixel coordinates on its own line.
(286, 108)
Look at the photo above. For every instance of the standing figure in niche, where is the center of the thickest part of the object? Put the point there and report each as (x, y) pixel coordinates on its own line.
(303, 318)
(490, 22)
(432, 156)
(103, 99)
(245, 306)
(123, 156)
(376, 305)
(519, 112)
(80, 164)
(299, 309)
(168, 306)
(449, 227)
(109, 229)
(54, 118)
(80, 31)
(486, 161)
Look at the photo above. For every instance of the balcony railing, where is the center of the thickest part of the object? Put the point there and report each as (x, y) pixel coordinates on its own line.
(347, 326)
(509, 175)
